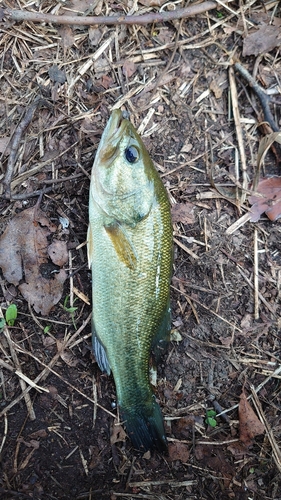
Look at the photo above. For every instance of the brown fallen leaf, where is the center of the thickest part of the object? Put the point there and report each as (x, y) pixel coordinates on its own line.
(118, 433)
(269, 201)
(216, 89)
(67, 36)
(249, 424)
(183, 212)
(263, 40)
(179, 451)
(152, 3)
(66, 355)
(25, 261)
(129, 68)
(58, 252)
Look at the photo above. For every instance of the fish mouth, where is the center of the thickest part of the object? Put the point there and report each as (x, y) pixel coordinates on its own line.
(112, 135)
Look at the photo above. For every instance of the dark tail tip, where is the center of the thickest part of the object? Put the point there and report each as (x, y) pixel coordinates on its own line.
(144, 425)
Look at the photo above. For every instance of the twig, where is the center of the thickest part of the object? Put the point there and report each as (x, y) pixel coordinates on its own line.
(264, 99)
(5, 433)
(15, 146)
(187, 250)
(153, 17)
(24, 196)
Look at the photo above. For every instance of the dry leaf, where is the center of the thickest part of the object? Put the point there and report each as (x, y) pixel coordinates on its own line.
(56, 74)
(250, 425)
(183, 212)
(263, 40)
(68, 358)
(264, 146)
(58, 252)
(152, 3)
(25, 262)
(179, 451)
(187, 147)
(269, 200)
(80, 6)
(67, 36)
(118, 434)
(226, 341)
(95, 35)
(129, 68)
(41, 433)
(216, 89)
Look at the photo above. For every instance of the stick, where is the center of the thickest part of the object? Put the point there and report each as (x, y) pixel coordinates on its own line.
(264, 99)
(153, 17)
(15, 144)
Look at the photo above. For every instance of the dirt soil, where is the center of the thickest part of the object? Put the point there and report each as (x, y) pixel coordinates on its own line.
(60, 439)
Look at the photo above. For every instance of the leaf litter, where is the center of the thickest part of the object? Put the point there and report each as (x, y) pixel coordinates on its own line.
(249, 423)
(30, 262)
(198, 359)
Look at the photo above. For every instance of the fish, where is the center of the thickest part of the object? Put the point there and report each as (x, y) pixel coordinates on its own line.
(129, 246)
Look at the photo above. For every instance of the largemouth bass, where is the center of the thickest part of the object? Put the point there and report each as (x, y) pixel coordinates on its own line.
(130, 253)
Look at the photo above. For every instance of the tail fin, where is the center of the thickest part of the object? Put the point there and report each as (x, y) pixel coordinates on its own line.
(144, 425)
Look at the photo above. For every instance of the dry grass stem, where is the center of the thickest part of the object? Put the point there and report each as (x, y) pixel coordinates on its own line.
(237, 121)
(256, 275)
(275, 447)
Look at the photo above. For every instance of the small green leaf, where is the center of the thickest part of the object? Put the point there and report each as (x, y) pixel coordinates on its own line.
(211, 421)
(47, 328)
(11, 314)
(2, 324)
(210, 413)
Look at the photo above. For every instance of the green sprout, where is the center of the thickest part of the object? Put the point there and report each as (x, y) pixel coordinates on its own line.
(219, 14)
(11, 314)
(210, 418)
(71, 310)
(47, 329)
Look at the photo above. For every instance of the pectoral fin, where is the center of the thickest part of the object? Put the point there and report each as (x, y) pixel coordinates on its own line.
(122, 245)
(90, 246)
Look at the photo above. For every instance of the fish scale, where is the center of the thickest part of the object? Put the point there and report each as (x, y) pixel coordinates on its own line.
(130, 253)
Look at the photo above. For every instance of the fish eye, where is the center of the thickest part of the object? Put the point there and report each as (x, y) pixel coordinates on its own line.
(132, 154)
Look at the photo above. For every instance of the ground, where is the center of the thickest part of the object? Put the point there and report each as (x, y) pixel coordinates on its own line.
(60, 439)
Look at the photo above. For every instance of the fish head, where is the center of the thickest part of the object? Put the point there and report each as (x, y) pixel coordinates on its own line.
(122, 180)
